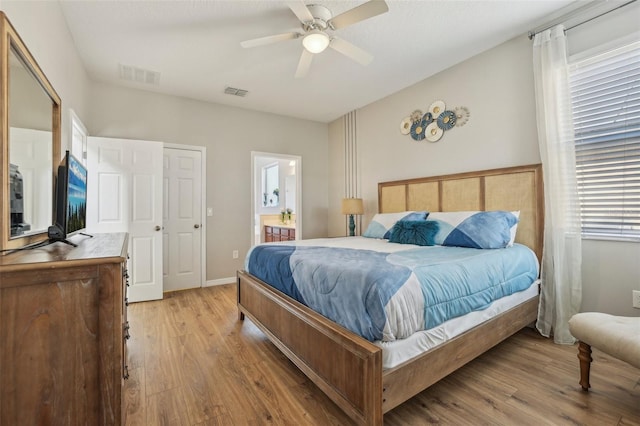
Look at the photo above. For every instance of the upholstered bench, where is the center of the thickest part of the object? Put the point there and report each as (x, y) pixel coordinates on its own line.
(613, 335)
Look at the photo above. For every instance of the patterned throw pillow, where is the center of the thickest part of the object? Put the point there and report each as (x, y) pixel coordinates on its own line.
(382, 223)
(484, 230)
(418, 232)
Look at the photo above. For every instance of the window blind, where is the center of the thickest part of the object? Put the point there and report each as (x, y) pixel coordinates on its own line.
(605, 97)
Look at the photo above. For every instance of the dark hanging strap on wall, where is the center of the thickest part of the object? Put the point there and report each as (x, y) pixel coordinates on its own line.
(576, 15)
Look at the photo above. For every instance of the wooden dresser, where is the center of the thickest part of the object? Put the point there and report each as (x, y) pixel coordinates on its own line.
(278, 233)
(63, 329)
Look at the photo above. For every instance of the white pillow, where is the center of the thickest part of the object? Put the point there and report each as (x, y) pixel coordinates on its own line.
(382, 223)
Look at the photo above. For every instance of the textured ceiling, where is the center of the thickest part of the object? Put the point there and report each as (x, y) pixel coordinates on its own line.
(195, 46)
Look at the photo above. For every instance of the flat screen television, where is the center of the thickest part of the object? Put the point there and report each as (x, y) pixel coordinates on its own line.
(71, 199)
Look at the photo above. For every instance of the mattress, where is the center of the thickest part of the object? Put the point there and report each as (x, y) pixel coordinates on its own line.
(399, 351)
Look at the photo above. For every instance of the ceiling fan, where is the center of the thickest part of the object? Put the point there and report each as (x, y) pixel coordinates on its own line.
(317, 21)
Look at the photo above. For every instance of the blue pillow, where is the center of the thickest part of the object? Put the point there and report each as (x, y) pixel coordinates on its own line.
(483, 230)
(418, 232)
(382, 223)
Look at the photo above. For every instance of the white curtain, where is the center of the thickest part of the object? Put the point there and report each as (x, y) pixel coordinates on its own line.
(561, 292)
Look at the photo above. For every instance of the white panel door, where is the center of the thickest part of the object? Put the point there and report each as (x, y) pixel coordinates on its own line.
(182, 216)
(124, 194)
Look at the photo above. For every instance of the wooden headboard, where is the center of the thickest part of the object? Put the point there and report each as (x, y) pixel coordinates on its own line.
(512, 188)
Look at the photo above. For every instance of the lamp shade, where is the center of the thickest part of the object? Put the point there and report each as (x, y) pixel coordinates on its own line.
(315, 41)
(352, 206)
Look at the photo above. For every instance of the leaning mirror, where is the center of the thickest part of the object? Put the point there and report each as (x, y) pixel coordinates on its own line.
(30, 142)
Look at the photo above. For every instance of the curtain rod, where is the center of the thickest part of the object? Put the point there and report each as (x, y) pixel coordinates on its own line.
(573, 15)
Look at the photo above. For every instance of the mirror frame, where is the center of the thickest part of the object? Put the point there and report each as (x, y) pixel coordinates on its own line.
(11, 38)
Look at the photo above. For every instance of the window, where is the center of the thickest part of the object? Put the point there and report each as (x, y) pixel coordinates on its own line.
(605, 96)
(270, 190)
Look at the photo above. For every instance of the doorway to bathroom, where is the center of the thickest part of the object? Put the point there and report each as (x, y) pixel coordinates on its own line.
(276, 197)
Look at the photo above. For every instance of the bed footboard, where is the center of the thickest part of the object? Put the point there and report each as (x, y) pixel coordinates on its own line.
(346, 367)
(408, 379)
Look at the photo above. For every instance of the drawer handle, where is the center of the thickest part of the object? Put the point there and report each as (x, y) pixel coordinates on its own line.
(127, 336)
(126, 372)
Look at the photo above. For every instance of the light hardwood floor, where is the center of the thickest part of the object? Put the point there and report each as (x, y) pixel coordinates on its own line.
(192, 362)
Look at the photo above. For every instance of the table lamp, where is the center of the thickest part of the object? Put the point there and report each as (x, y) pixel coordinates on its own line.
(352, 206)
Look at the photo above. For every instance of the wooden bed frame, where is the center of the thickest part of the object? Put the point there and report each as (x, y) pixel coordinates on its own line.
(348, 368)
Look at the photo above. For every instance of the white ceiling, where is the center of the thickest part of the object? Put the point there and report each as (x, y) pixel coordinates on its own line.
(195, 46)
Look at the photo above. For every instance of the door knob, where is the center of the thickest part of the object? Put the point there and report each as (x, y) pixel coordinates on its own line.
(197, 225)
(158, 227)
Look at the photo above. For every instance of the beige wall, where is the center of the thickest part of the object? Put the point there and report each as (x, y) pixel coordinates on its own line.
(612, 26)
(497, 87)
(229, 134)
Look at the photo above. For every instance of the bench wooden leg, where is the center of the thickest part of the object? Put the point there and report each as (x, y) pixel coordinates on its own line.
(584, 355)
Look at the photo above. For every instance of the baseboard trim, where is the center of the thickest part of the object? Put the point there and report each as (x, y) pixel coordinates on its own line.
(220, 281)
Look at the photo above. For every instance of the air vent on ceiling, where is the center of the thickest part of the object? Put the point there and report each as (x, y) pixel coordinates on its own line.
(235, 92)
(139, 75)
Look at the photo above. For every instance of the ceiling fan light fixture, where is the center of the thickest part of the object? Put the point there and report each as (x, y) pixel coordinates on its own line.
(316, 41)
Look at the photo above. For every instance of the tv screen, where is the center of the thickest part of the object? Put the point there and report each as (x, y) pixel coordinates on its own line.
(76, 196)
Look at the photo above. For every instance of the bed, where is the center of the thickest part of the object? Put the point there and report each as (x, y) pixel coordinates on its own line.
(348, 368)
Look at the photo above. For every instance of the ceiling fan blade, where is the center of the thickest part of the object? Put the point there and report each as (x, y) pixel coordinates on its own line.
(350, 50)
(360, 13)
(304, 64)
(300, 10)
(268, 40)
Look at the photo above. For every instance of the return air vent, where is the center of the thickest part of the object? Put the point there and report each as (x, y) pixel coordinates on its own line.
(236, 92)
(139, 75)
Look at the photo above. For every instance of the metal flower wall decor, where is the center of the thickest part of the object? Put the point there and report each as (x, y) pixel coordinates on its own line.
(432, 124)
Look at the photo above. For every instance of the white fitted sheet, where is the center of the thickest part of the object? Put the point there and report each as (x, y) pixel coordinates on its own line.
(396, 352)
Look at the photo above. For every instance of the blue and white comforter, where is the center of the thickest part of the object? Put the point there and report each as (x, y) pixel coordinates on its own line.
(386, 291)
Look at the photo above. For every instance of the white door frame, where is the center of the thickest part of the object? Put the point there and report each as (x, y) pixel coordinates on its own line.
(298, 210)
(203, 206)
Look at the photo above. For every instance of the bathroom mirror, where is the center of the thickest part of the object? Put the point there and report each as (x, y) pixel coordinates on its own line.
(29, 142)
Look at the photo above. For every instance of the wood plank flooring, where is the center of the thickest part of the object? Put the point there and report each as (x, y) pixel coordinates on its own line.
(192, 362)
